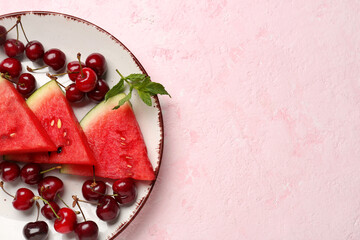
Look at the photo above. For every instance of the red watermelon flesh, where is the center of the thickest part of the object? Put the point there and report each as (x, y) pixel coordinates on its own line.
(20, 130)
(117, 142)
(57, 117)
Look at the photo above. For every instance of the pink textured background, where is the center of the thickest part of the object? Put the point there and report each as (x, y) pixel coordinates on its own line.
(263, 130)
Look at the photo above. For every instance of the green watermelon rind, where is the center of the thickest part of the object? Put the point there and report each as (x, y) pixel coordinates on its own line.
(98, 109)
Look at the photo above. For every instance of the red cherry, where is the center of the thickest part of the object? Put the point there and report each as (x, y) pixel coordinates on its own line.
(31, 173)
(108, 209)
(55, 59)
(125, 190)
(14, 48)
(26, 84)
(101, 88)
(91, 192)
(36, 230)
(73, 94)
(34, 50)
(49, 187)
(97, 62)
(10, 171)
(47, 212)
(24, 199)
(12, 66)
(88, 230)
(67, 221)
(3, 34)
(74, 66)
(86, 81)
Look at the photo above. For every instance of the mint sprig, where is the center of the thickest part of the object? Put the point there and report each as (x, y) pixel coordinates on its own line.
(141, 83)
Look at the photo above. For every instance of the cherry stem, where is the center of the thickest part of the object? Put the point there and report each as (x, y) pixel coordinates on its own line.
(2, 186)
(17, 34)
(17, 22)
(58, 195)
(45, 201)
(52, 77)
(81, 71)
(38, 208)
(7, 77)
(34, 69)
(50, 169)
(22, 28)
(76, 200)
(119, 73)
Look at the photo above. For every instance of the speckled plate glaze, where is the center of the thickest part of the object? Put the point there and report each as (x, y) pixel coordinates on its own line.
(73, 35)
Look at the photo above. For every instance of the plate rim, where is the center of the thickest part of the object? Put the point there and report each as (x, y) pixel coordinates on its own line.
(143, 201)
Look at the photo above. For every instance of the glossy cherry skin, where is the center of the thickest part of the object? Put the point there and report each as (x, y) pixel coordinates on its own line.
(73, 94)
(26, 84)
(23, 199)
(12, 66)
(49, 187)
(125, 190)
(96, 62)
(74, 67)
(86, 82)
(10, 171)
(67, 221)
(31, 173)
(88, 230)
(108, 208)
(93, 193)
(34, 50)
(98, 94)
(3, 34)
(55, 59)
(47, 212)
(14, 48)
(36, 230)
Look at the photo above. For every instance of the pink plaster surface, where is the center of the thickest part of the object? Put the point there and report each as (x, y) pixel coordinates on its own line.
(262, 133)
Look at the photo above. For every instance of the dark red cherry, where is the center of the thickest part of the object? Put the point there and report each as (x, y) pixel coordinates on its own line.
(14, 48)
(34, 50)
(67, 221)
(98, 94)
(73, 94)
(55, 59)
(47, 212)
(26, 84)
(125, 190)
(49, 187)
(88, 230)
(31, 173)
(12, 66)
(86, 81)
(10, 171)
(36, 230)
(73, 69)
(24, 199)
(3, 33)
(96, 62)
(93, 191)
(108, 208)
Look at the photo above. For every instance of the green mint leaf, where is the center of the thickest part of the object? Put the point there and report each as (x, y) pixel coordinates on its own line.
(123, 100)
(115, 90)
(145, 97)
(135, 76)
(155, 88)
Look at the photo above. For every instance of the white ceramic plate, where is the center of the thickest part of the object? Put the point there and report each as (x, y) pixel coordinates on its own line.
(73, 35)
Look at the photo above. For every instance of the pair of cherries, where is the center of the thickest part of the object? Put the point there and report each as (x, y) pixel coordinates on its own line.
(88, 78)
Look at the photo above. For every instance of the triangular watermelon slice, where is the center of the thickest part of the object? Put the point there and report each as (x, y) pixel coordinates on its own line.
(117, 142)
(57, 117)
(20, 130)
